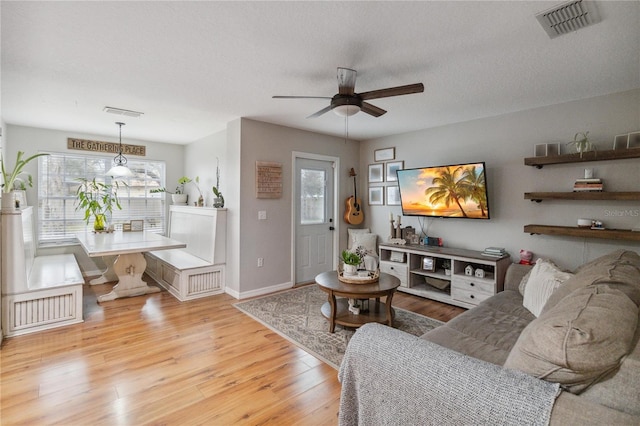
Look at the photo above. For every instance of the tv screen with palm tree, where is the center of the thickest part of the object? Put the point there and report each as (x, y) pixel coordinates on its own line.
(458, 190)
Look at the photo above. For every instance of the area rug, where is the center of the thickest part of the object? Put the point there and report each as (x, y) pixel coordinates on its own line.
(295, 315)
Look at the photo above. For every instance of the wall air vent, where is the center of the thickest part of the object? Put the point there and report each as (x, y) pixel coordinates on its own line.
(121, 111)
(568, 17)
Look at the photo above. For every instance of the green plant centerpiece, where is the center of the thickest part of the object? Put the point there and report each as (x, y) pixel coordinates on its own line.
(16, 178)
(582, 143)
(98, 200)
(351, 261)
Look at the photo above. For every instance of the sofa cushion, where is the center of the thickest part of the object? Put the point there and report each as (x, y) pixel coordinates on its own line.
(620, 391)
(488, 331)
(352, 233)
(582, 338)
(544, 279)
(619, 269)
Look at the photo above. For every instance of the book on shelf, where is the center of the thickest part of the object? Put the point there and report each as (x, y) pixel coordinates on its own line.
(495, 250)
(589, 180)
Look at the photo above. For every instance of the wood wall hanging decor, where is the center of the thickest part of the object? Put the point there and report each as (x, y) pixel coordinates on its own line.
(110, 147)
(268, 179)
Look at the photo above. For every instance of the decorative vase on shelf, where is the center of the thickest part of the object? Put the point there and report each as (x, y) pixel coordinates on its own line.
(218, 203)
(8, 201)
(100, 222)
(201, 201)
(179, 199)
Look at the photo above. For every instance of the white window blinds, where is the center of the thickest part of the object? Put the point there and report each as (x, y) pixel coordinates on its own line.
(58, 175)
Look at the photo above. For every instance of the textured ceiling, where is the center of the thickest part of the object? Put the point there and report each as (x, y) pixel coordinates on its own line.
(191, 67)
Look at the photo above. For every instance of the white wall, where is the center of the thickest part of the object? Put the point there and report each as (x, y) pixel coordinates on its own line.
(503, 142)
(271, 239)
(200, 160)
(32, 140)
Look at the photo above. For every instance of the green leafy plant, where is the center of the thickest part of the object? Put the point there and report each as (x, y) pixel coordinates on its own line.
(350, 258)
(582, 143)
(179, 189)
(15, 179)
(97, 199)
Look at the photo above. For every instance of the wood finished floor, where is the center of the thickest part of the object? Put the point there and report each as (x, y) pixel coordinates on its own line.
(153, 360)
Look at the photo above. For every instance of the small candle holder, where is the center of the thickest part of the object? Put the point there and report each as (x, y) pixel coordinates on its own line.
(392, 230)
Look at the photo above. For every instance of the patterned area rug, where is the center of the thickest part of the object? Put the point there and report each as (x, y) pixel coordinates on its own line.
(295, 315)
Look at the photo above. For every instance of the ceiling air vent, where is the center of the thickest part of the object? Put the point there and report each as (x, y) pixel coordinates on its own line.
(121, 111)
(568, 17)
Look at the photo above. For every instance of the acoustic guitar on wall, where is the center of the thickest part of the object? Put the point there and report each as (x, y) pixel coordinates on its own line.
(353, 213)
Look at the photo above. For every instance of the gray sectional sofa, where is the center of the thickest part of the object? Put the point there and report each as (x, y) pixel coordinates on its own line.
(578, 362)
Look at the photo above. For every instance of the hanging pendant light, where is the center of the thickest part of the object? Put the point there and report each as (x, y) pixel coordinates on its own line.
(120, 168)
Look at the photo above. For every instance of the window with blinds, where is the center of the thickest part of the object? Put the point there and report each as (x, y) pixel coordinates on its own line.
(58, 175)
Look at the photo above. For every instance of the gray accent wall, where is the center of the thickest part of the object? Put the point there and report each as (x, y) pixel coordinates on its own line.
(503, 142)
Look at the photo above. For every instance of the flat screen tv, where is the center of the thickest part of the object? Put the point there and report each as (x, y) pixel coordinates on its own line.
(457, 190)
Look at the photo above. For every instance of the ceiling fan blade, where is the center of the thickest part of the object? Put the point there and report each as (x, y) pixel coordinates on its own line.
(346, 81)
(319, 113)
(392, 91)
(372, 109)
(301, 97)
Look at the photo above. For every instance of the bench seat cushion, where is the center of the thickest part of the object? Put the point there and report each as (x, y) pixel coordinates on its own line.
(58, 270)
(180, 259)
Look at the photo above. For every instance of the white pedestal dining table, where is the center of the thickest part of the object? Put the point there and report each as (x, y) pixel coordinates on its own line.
(130, 264)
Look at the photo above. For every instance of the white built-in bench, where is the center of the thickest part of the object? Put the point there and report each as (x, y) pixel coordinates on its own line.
(38, 292)
(198, 269)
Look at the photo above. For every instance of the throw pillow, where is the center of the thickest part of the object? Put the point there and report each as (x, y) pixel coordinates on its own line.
(364, 243)
(523, 283)
(618, 270)
(578, 341)
(352, 232)
(544, 278)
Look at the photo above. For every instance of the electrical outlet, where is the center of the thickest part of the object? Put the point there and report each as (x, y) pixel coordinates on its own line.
(262, 215)
(260, 262)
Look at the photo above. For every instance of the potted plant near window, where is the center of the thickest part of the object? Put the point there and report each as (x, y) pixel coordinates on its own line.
(351, 262)
(15, 178)
(98, 200)
(179, 197)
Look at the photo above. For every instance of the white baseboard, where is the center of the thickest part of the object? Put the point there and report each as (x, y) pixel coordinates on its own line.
(258, 292)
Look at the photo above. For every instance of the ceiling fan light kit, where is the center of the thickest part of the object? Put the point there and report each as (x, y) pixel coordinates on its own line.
(347, 102)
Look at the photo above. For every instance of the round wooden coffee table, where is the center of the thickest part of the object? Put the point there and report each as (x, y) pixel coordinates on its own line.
(337, 310)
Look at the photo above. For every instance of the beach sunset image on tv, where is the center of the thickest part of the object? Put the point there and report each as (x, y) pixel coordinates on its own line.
(445, 191)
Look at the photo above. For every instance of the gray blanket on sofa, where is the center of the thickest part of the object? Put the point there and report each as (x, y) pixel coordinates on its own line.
(431, 385)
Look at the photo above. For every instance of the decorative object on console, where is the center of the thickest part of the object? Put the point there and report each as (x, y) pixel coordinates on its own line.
(391, 169)
(479, 273)
(397, 256)
(468, 270)
(397, 241)
(526, 257)
(494, 252)
(137, 225)
(428, 264)
(546, 149)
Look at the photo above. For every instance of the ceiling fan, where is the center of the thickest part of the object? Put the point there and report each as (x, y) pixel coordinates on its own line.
(347, 103)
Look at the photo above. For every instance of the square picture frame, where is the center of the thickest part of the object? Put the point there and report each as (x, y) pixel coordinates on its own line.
(376, 173)
(384, 154)
(376, 195)
(137, 225)
(393, 195)
(126, 227)
(428, 264)
(391, 168)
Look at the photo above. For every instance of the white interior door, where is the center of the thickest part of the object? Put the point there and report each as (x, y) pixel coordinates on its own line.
(314, 215)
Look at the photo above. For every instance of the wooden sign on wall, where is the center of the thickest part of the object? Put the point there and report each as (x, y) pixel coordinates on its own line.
(268, 179)
(110, 147)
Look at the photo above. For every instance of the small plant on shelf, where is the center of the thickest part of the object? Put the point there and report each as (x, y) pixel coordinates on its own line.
(582, 143)
(446, 265)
